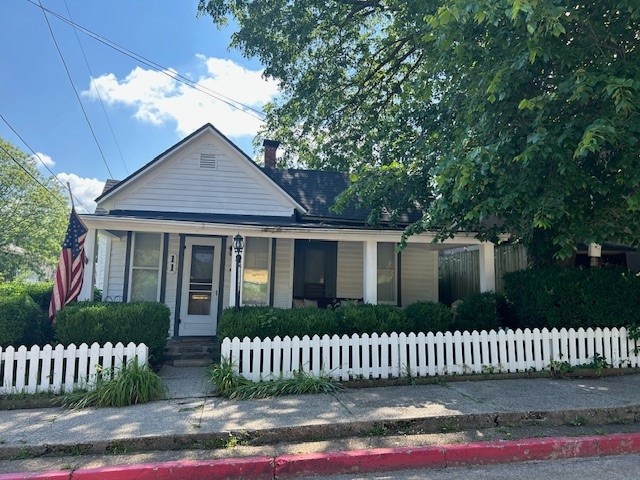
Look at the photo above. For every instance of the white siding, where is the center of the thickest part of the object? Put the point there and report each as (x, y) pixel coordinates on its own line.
(115, 278)
(180, 184)
(283, 287)
(171, 290)
(350, 268)
(419, 274)
(229, 263)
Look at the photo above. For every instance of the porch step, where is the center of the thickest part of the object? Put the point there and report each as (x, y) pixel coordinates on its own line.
(192, 351)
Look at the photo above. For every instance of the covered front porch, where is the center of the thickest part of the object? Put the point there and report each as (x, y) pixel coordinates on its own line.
(193, 268)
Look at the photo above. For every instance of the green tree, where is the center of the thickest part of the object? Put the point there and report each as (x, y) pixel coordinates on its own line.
(32, 218)
(494, 116)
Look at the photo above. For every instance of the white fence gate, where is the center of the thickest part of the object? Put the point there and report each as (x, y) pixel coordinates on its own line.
(61, 369)
(396, 355)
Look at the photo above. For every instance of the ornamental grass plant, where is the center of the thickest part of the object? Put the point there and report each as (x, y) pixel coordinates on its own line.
(131, 385)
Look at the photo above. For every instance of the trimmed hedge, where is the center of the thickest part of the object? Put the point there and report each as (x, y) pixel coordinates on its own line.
(39, 292)
(22, 322)
(572, 298)
(429, 316)
(265, 322)
(371, 318)
(481, 311)
(138, 322)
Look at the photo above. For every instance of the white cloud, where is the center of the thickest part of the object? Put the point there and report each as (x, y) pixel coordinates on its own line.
(84, 190)
(157, 97)
(42, 160)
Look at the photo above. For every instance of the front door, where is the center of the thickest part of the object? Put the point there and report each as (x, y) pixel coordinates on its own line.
(200, 289)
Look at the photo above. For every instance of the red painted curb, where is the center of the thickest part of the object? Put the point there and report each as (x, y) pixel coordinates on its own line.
(520, 450)
(359, 461)
(231, 468)
(52, 475)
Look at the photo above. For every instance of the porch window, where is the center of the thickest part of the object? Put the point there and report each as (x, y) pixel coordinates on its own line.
(145, 266)
(387, 273)
(255, 276)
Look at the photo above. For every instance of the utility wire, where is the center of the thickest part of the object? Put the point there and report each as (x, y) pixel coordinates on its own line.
(255, 113)
(74, 88)
(93, 82)
(32, 176)
(40, 160)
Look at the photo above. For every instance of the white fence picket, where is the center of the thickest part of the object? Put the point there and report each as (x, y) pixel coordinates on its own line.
(61, 369)
(395, 355)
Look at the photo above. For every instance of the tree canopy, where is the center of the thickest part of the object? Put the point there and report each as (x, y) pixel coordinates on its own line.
(516, 116)
(32, 218)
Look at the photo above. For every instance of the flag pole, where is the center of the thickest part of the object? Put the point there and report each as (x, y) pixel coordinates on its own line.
(73, 207)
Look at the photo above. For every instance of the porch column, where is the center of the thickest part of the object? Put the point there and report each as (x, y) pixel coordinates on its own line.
(232, 281)
(86, 293)
(487, 267)
(370, 273)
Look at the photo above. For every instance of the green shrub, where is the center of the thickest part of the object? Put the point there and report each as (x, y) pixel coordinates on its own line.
(555, 297)
(429, 316)
(39, 292)
(131, 385)
(371, 318)
(138, 322)
(481, 311)
(22, 322)
(265, 322)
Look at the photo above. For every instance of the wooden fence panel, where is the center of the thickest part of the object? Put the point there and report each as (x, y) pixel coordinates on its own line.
(61, 369)
(396, 355)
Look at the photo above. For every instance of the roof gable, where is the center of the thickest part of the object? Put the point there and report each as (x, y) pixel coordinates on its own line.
(203, 173)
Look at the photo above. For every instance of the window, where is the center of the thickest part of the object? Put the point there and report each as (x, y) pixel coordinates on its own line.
(255, 276)
(387, 273)
(145, 266)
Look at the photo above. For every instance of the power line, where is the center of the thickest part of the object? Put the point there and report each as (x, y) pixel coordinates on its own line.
(157, 67)
(32, 176)
(40, 160)
(74, 88)
(97, 91)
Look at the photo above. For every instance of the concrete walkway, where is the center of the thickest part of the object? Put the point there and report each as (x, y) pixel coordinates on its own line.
(192, 416)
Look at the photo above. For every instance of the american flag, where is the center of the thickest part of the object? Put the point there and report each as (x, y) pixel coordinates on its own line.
(68, 279)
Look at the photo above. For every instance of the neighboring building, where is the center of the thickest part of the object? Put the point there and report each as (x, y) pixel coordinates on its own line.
(169, 231)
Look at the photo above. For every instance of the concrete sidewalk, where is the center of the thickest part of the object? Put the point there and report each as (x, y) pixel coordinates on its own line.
(192, 417)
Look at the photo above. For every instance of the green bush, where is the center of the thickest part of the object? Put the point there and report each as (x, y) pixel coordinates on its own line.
(22, 321)
(138, 322)
(265, 322)
(429, 316)
(40, 292)
(481, 311)
(371, 318)
(555, 297)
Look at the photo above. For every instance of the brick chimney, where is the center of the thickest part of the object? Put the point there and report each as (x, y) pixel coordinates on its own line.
(270, 147)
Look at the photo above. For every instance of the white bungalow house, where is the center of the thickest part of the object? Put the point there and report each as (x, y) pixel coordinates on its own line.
(169, 230)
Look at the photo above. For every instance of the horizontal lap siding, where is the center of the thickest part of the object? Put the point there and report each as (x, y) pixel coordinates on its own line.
(170, 295)
(419, 274)
(229, 263)
(181, 185)
(350, 259)
(115, 279)
(283, 287)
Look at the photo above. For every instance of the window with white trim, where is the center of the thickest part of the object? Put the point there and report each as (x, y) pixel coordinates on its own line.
(387, 284)
(145, 267)
(255, 275)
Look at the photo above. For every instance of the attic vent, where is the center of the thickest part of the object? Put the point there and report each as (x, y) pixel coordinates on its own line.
(209, 160)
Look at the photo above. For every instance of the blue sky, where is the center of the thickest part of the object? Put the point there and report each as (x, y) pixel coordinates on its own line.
(148, 110)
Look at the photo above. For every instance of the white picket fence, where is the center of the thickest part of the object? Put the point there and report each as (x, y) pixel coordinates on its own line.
(61, 369)
(395, 355)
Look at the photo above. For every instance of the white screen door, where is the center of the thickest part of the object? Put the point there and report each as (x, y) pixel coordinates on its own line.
(200, 289)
